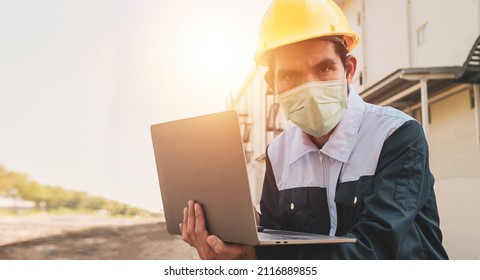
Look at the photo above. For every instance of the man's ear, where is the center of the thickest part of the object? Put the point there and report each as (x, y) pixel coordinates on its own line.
(269, 79)
(351, 66)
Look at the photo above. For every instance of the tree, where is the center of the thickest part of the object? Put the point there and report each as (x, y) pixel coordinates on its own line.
(16, 184)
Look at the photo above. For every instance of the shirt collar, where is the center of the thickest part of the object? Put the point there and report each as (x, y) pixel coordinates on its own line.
(340, 144)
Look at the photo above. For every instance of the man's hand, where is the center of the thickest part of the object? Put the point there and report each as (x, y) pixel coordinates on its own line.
(209, 246)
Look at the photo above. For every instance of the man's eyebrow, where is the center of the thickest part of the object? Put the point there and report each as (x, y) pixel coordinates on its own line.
(325, 62)
(284, 71)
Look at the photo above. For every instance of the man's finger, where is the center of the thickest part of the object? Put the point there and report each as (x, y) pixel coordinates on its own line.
(183, 227)
(233, 251)
(184, 222)
(200, 228)
(230, 251)
(191, 221)
(217, 244)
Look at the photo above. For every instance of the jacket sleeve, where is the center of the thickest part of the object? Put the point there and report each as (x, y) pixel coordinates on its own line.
(401, 187)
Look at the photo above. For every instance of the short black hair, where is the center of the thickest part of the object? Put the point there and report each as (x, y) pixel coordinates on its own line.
(342, 52)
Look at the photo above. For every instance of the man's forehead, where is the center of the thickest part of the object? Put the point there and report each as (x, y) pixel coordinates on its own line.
(305, 50)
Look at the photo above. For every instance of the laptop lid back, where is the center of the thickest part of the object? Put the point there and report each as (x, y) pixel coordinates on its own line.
(202, 158)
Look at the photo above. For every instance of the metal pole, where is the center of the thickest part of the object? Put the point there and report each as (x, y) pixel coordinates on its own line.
(424, 101)
(476, 94)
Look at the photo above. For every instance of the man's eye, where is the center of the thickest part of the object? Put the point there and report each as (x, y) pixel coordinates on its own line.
(325, 69)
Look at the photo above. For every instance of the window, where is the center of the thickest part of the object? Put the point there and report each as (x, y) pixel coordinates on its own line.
(421, 35)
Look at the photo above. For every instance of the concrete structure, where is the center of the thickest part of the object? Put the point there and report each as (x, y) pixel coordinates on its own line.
(15, 204)
(422, 57)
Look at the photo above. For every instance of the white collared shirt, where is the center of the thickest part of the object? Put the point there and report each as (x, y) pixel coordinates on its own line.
(353, 149)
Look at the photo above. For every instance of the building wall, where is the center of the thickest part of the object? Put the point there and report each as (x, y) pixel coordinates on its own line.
(385, 38)
(390, 32)
(450, 29)
(455, 163)
(452, 138)
(383, 30)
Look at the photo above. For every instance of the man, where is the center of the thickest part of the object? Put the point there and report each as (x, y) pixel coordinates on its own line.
(346, 167)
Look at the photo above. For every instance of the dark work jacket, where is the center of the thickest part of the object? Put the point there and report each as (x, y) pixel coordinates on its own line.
(383, 196)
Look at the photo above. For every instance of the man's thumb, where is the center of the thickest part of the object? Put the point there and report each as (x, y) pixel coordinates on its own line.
(215, 243)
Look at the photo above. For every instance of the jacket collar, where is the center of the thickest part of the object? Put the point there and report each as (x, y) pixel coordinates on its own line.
(340, 144)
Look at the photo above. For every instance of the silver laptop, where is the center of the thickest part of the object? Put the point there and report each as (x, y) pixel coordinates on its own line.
(202, 159)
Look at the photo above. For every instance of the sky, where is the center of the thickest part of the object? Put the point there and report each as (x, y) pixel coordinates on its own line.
(81, 81)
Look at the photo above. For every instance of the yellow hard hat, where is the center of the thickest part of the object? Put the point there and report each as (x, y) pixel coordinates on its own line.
(290, 21)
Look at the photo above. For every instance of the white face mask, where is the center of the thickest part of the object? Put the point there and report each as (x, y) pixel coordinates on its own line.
(315, 107)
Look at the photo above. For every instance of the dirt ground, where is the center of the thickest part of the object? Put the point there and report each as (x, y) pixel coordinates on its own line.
(89, 238)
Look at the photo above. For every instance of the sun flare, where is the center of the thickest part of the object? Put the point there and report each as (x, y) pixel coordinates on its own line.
(211, 52)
